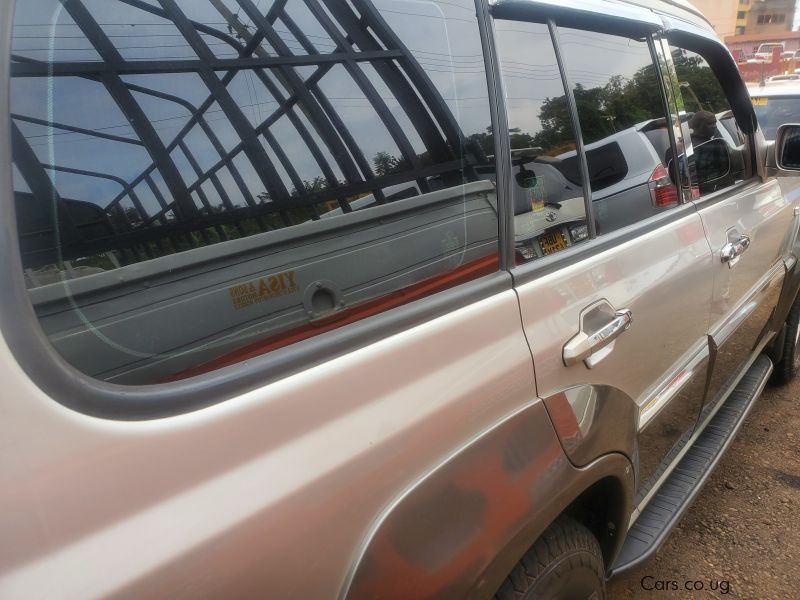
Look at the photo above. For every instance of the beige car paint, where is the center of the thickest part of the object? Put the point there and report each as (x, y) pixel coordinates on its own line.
(214, 502)
(280, 491)
(634, 275)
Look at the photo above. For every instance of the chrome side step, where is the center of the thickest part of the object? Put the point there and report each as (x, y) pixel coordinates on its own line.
(676, 494)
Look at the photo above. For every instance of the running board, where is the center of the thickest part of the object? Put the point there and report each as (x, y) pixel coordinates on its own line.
(679, 490)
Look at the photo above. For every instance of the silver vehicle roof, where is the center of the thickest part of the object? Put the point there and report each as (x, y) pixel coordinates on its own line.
(791, 89)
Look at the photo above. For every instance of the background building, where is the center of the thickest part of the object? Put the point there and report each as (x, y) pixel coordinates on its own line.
(749, 43)
(769, 16)
(741, 16)
(721, 13)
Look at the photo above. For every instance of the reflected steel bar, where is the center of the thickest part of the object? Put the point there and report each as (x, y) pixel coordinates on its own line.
(252, 147)
(258, 37)
(364, 83)
(201, 121)
(394, 79)
(371, 16)
(355, 149)
(273, 89)
(200, 192)
(302, 130)
(283, 104)
(165, 208)
(201, 27)
(127, 190)
(26, 68)
(90, 132)
(185, 207)
(372, 95)
(316, 115)
(39, 183)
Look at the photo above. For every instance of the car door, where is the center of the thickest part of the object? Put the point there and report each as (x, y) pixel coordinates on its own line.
(746, 218)
(615, 310)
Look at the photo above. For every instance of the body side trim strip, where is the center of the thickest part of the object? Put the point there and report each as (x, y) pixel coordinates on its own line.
(697, 432)
(676, 382)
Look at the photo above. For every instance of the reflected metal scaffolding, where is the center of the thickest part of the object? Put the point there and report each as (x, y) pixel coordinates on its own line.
(358, 33)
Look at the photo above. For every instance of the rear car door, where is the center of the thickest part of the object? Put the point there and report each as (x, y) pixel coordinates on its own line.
(610, 383)
(746, 217)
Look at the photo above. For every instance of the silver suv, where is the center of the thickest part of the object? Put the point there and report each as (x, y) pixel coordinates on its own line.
(378, 298)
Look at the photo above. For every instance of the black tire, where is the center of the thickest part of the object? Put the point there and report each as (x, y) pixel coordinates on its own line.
(564, 564)
(786, 370)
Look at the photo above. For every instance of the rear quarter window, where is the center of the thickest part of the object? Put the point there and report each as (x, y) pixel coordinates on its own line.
(201, 182)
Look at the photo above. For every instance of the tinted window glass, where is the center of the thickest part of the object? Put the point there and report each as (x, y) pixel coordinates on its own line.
(548, 194)
(200, 181)
(774, 111)
(624, 126)
(717, 151)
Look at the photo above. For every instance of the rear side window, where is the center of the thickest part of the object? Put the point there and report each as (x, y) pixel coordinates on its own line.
(201, 181)
(550, 213)
(623, 122)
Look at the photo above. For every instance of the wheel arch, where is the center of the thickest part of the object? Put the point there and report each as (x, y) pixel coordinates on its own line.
(460, 529)
(607, 484)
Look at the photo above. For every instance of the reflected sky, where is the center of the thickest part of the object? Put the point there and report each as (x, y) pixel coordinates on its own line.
(442, 36)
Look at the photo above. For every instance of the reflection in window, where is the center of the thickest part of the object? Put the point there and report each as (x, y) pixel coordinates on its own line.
(549, 206)
(716, 147)
(284, 167)
(774, 111)
(624, 126)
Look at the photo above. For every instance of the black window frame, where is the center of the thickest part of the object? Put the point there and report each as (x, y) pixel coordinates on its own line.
(63, 383)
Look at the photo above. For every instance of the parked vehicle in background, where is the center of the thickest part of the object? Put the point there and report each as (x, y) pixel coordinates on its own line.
(396, 299)
(788, 78)
(764, 52)
(775, 105)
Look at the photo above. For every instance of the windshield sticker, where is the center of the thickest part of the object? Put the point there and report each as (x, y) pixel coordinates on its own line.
(760, 101)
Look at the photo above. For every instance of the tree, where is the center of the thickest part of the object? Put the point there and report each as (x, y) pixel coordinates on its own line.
(385, 163)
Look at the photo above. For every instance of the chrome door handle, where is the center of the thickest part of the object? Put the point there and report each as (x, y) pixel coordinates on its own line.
(583, 345)
(732, 251)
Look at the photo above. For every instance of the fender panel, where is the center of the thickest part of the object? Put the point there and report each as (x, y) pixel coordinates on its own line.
(593, 420)
(458, 532)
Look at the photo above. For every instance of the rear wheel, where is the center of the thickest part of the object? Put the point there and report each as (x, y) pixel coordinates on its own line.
(565, 563)
(786, 370)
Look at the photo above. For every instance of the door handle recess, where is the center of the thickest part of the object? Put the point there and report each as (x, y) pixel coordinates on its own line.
(583, 345)
(732, 251)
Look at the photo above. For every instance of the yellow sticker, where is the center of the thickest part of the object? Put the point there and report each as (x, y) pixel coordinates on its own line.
(261, 290)
(760, 101)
